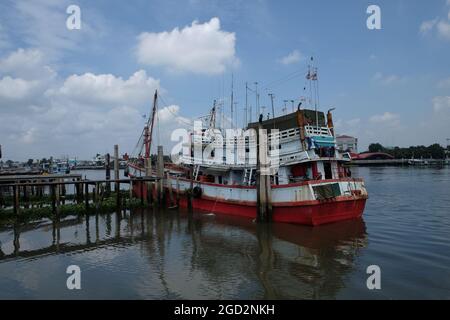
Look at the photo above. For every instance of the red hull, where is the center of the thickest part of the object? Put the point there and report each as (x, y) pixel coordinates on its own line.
(307, 213)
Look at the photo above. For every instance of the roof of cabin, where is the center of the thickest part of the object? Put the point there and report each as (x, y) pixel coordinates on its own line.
(289, 121)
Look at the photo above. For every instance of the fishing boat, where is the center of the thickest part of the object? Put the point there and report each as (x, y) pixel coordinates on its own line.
(290, 161)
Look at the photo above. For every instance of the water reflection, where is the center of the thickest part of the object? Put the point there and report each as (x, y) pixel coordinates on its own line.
(186, 255)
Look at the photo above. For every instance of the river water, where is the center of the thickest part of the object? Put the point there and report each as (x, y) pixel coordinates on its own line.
(142, 254)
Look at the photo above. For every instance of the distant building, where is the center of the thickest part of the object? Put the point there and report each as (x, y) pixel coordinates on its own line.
(347, 143)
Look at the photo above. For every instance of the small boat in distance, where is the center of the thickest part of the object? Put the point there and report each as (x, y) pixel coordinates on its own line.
(308, 181)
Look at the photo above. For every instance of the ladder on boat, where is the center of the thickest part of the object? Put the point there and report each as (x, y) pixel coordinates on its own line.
(248, 176)
(196, 171)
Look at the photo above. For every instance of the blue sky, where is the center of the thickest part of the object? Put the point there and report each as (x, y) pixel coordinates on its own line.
(73, 92)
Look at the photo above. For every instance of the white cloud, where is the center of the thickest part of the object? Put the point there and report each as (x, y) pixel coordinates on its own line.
(4, 38)
(444, 83)
(26, 64)
(293, 57)
(427, 26)
(199, 48)
(386, 118)
(42, 24)
(441, 25)
(441, 104)
(79, 115)
(387, 79)
(107, 89)
(443, 28)
(16, 89)
(353, 122)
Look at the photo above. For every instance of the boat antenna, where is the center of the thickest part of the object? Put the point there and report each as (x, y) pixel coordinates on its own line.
(257, 102)
(246, 105)
(273, 109)
(212, 120)
(232, 98)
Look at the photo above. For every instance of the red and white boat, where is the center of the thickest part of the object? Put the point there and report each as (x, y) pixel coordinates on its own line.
(310, 184)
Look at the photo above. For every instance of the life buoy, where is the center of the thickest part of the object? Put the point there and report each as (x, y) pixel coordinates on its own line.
(197, 192)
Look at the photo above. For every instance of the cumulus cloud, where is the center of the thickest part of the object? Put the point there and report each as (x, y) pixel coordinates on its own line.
(4, 38)
(198, 48)
(387, 80)
(25, 76)
(16, 89)
(427, 26)
(77, 115)
(293, 57)
(107, 89)
(386, 118)
(441, 103)
(440, 25)
(444, 84)
(41, 24)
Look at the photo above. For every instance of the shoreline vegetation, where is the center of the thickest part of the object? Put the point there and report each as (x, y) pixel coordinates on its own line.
(434, 151)
(36, 208)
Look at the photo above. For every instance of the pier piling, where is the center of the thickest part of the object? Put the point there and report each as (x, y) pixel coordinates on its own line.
(264, 206)
(160, 174)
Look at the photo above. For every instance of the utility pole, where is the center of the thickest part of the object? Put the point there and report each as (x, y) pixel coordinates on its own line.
(292, 101)
(257, 100)
(232, 97)
(273, 109)
(285, 107)
(246, 104)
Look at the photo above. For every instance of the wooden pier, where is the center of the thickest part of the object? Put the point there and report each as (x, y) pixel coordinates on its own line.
(22, 187)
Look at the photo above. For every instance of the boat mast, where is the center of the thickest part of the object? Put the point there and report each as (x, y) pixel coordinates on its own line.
(246, 106)
(149, 133)
(212, 119)
(232, 99)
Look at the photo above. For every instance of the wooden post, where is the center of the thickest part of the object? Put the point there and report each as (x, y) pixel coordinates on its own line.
(94, 195)
(63, 191)
(1, 197)
(178, 191)
(77, 191)
(16, 198)
(116, 174)
(131, 189)
(169, 185)
(191, 188)
(53, 196)
(160, 174)
(108, 173)
(86, 195)
(141, 186)
(58, 194)
(263, 187)
(148, 173)
(25, 195)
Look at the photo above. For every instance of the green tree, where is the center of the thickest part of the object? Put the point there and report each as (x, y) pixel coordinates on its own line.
(375, 147)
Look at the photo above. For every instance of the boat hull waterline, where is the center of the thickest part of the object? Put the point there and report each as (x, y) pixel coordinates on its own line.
(305, 212)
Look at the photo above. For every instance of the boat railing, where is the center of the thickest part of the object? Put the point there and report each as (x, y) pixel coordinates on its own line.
(317, 131)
